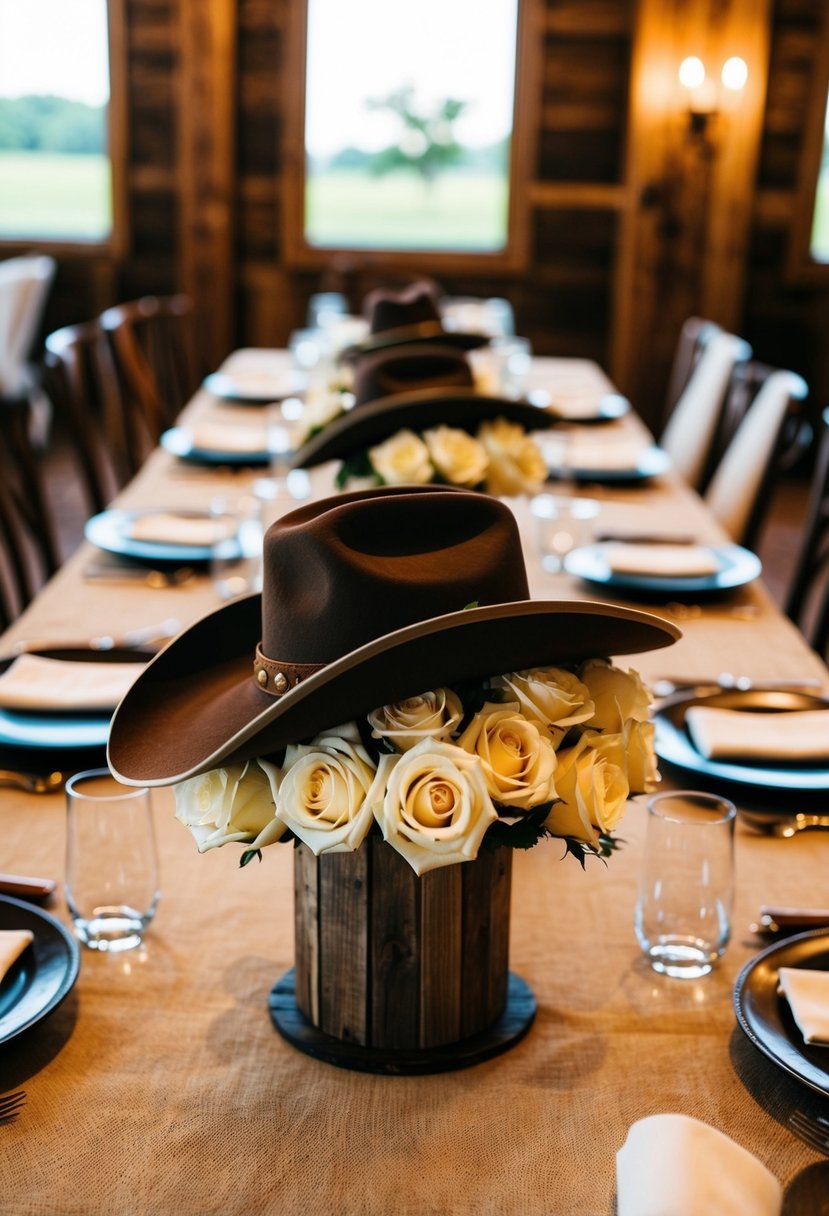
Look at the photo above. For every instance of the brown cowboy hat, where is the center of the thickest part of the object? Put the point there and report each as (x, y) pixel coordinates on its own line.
(409, 316)
(368, 598)
(417, 388)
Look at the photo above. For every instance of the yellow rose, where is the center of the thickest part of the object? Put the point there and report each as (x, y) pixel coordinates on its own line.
(404, 458)
(432, 715)
(619, 696)
(550, 696)
(518, 758)
(236, 803)
(515, 464)
(328, 793)
(593, 793)
(459, 458)
(436, 809)
(632, 751)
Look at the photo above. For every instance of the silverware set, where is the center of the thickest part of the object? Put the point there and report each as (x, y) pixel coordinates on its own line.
(10, 1106)
(726, 681)
(814, 1129)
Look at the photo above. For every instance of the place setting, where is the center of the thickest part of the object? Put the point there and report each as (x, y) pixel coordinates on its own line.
(577, 457)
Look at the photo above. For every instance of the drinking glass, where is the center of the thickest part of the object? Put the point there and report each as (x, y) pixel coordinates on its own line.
(112, 885)
(686, 887)
(562, 524)
(236, 556)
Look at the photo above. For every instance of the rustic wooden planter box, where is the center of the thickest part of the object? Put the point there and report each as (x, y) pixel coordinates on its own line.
(397, 973)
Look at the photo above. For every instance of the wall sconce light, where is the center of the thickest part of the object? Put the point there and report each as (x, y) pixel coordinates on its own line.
(702, 92)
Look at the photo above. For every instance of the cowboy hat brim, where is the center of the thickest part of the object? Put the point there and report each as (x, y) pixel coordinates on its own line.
(414, 335)
(197, 705)
(365, 425)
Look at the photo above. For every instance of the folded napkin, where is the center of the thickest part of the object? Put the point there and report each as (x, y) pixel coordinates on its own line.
(12, 944)
(667, 561)
(33, 682)
(218, 437)
(672, 1165)
(808, 995)
(742, 735)
(604, 457)
(257, 382)
(170, 529)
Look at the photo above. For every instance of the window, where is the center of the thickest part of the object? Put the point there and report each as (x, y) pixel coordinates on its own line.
(819, 243)
(55, 177)
(809, 244)
(405, 131)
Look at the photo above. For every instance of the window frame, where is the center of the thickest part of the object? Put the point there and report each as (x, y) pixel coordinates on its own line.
(513, 257)
(802, 267)
(116, 243)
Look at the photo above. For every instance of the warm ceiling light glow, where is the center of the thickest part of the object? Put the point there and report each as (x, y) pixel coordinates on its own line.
(692, 72)
(735, 73)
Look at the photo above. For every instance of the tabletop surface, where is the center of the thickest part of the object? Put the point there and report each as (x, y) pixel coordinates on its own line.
(160, 1085)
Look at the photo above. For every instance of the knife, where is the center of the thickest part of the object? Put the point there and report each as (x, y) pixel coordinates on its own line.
(32, 889)
(775, 922)
(646, 538)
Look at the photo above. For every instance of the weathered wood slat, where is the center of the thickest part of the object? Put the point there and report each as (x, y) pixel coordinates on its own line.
(441, 951)
(306, 939)
(395, 954)
(343, 944)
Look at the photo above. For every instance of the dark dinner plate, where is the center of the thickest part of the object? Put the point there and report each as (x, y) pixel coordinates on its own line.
(766, 1017)
(737, 566)
(179, 440)
(651, 462)
(60, 730)
(256, 388)
(606, 407)
(674, 744)
(43, 975)
(110, 531)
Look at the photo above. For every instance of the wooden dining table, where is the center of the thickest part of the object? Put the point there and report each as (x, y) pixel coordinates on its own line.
(160, 1086)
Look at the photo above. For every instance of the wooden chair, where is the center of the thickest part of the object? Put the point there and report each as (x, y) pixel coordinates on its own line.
(80, 380)
(28, 546)
(807, 602)
(691, 430)
(772, 430)
(154, 349)
(693, 338)
(24, 286)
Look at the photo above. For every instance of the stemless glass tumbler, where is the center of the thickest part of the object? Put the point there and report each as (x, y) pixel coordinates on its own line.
(683, 911)
(112, 885)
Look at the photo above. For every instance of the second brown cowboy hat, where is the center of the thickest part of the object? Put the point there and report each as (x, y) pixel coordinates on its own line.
(368, 598)
(413, 388)
(408, 317)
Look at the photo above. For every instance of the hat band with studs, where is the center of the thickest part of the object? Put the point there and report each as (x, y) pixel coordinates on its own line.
(277, 678)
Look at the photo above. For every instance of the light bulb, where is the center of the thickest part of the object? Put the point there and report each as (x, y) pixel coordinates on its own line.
(734, 73)
(692, 72)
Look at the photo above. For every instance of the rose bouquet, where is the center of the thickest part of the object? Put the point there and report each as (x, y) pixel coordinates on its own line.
(545, 752)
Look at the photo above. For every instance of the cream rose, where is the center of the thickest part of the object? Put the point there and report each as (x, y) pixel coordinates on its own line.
(515, 464)
(432, 715)
(327, 794)
(593, 793)
(632, 750)
(404, 458)
(518, 758)
(236, 803)
(549, 696)
(459, 458)
(619, 696)
(436, 809)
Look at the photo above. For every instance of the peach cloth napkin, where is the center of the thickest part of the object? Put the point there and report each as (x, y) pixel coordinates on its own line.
(217, 437)
(672, 1165)
(12, 944)
(170, 529)
(33, 682)
(666, 561)
(796, 735)
(808, 995)
(604, 457)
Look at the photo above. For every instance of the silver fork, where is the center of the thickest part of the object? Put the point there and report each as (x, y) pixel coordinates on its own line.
(10, 1106)
(814, 1129)
(32, 783)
